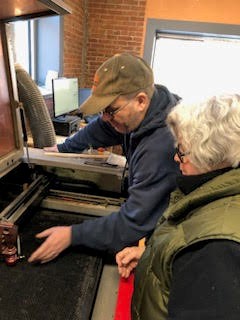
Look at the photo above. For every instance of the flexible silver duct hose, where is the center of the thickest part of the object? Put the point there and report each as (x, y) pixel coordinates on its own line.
(36, 111)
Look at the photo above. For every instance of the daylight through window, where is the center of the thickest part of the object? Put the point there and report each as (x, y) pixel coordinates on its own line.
(197, 67)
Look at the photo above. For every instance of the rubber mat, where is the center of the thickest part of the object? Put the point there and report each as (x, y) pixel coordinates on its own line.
(63, 289)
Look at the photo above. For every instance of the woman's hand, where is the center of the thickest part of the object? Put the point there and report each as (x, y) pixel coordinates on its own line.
(127, 259)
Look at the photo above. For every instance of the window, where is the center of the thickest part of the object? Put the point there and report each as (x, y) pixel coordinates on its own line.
(195, 64)
(36, 45)
(194, 67)
(21, 43)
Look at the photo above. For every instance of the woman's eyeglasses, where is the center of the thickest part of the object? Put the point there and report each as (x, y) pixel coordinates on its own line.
(180, 154)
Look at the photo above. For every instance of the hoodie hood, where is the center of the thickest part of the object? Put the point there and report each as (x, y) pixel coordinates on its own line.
(161, 103)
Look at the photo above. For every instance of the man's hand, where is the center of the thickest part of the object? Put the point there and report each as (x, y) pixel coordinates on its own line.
(127, 259)
(51, 149)
(58, 239)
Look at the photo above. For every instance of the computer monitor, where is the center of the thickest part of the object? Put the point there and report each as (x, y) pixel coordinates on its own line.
(65, 96)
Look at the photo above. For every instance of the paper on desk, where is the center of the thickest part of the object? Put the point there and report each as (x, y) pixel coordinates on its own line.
(116, 160)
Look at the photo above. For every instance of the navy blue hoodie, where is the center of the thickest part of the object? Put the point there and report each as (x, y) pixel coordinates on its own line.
(151, 176)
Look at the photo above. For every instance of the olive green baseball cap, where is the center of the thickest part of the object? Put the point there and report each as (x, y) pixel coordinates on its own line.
(120, 75)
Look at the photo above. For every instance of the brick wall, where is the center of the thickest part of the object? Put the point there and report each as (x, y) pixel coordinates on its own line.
(114, 26)
(73, 32)
(98, 29)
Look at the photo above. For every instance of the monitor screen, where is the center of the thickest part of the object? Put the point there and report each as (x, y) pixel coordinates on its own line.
(65, 96)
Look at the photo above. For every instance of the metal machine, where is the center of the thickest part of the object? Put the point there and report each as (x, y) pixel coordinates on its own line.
(38, 191)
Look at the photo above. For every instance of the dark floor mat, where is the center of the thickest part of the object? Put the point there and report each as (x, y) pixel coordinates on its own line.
(63, 289)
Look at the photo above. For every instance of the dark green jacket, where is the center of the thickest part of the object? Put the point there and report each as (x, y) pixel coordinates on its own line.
(211, 211)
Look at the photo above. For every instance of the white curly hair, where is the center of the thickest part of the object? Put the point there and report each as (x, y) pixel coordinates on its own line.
(209, 131)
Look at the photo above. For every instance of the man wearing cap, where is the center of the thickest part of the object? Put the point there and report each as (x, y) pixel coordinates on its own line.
(132, 113)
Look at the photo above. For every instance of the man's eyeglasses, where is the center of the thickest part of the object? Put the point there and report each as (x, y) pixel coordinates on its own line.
(111, 111)
(180, 154)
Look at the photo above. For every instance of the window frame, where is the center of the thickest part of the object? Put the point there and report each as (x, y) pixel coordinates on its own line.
(155, 26)
(37, 47)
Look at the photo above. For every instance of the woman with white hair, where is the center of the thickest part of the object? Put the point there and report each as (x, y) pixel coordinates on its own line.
(191, 266)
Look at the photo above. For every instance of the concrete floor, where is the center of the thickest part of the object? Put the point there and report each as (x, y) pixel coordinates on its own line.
(105, 304)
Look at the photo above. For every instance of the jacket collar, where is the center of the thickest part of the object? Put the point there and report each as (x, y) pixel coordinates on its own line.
(189, 183)
(161, 103)
(222, 185)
